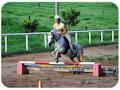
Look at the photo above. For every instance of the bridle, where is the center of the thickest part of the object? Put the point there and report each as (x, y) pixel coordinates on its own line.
(56, 39)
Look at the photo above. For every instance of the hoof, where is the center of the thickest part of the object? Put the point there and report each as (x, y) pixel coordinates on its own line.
(57, 60)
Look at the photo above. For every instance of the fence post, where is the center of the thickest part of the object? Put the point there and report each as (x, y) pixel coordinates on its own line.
(112, 36)
(26, 42)
(45, 40)
(101, 36)
(56, 8)
(6, 43)
(76, 37)
(89, 37)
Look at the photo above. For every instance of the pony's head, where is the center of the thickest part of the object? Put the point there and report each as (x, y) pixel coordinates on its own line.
(53, 36)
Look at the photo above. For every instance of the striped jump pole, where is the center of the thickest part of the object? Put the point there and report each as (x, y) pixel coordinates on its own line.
(22, 66)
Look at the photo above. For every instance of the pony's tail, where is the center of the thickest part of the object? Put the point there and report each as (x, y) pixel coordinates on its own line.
(81, 53)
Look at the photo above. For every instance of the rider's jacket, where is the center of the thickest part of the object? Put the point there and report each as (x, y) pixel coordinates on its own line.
(60, 28)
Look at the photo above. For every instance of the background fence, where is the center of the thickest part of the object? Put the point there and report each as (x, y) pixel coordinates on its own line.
(15, 42)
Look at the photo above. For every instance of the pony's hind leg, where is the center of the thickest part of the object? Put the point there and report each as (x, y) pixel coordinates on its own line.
(79, 59)
(72, 59)
(81, 56)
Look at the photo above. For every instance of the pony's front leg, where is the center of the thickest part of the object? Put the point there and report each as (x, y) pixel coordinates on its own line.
(53, 54)
(56, 57)
(56, 54)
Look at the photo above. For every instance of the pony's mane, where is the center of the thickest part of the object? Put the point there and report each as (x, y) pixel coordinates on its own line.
(54, 31)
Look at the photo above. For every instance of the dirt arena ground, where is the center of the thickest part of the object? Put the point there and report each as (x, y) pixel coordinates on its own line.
(58, 79)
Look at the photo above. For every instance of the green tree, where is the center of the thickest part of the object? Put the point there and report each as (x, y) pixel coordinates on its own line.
(71, 16)
(30, 25)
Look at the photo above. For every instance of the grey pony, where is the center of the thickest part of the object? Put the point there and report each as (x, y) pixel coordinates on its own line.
(61, 47)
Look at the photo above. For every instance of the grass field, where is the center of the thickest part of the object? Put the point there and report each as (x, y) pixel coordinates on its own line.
(92, 15)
